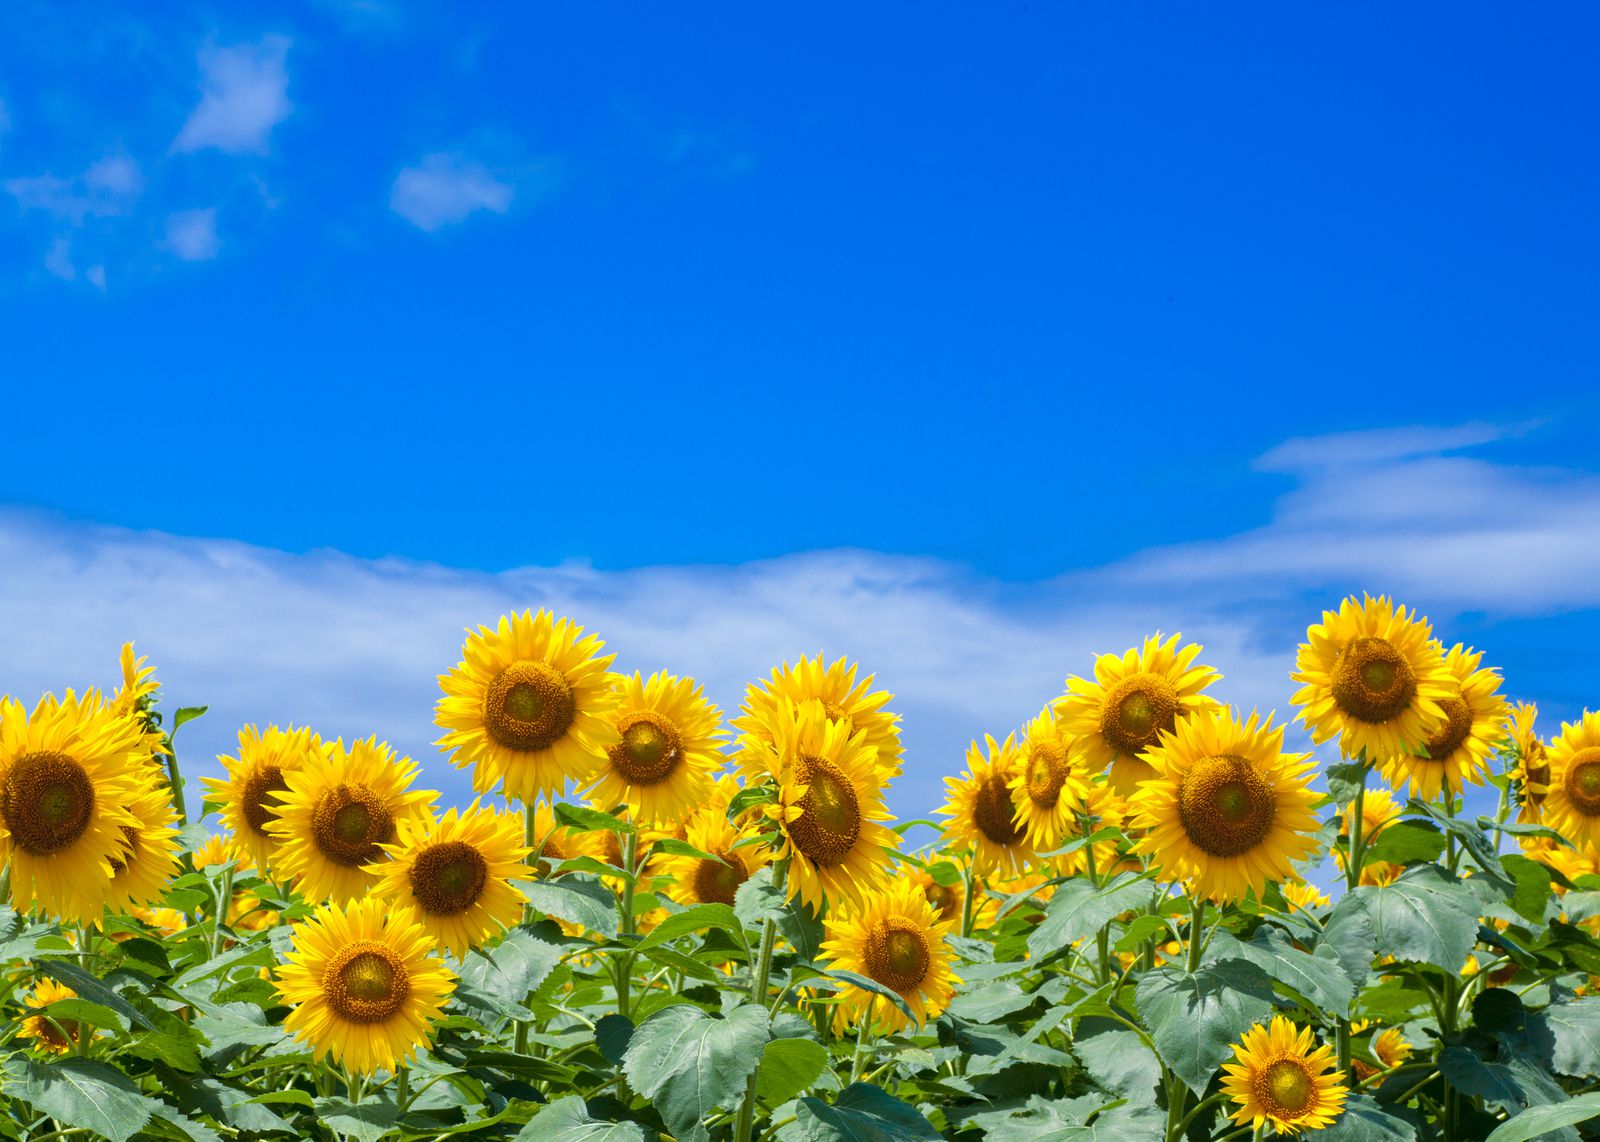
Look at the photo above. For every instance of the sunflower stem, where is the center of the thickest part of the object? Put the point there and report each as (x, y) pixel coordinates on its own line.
(1354, 857)
(857, 1062)
(967, 882)
(175, 778)
(1197, 927)
(759, 986)
(224, 897)
(402, 1096)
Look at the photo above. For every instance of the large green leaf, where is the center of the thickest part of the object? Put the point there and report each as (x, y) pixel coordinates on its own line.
(82, 1093)
(94, 990)
(1194, 1017)
(587, 820)
(578, 899)
(1348, 937)
(788, 1067)
(1406, 842)
(689, 1063)
(1119, 1062)
(1364, 1121)
(1573, 1030)
(567, 1120)
(513, 968)
(1538, 1121)
(1424, 916)
(861, 1113)
(1531, 896)
(1079, 910)
(364, 1121)
(696, 919)
(1320, 977)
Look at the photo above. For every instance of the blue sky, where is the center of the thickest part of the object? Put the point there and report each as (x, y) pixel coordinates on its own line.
(867, 326)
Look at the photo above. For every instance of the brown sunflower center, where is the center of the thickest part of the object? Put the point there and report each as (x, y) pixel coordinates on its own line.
(349, 823)
(1536, 764)
(716, 883)
(528, 706)
(1372, 681)
(1457, 724)
(897, 954)
(649, 751)
(255, 799)
(1226, 805)
(1047, 772)
(1136, 712)
(447, 878)
(1583, 781)
(1286, 1088)
(46, 801)
(994, 813)
(57, 1033)
(829, 823)
(942, 897)
(366, 982)
(122, 859)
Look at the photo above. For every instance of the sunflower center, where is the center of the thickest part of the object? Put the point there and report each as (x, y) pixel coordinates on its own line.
(1226, 805)
(829, 823)
(897, 954)
(1286, 1088)
(1136, 712)
(1457, 724)
(448, 878)
(649, 751)
(1583, 781)
(119, 864)
(528, 706)
(1372, 681)
(256, 800)
(46, 801)
(943, 898)
(994, 813)
(366, 982)
(1537, 766)
(349, 823)
(1047, 772)
(716, 883)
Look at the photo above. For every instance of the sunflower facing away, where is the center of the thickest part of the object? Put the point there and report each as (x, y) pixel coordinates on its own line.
(982, 811)
(856, 704)
(1228, 810)
(1372, 675)
(896, 938)
(1459, 748)
(1281, 1076)
(663, 764)
(1531, 772)
(1133, 699)
(1572, 806)
(54, 1034)
(68, 773)
(246, 796)
(366, 984)
(342, 806)
(695, 880)
(455, 874)
(1048, 793)
(528, 706)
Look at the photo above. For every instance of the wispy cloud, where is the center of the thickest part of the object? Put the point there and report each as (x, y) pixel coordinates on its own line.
(192, 234)
(244, 95)
(109, 187)
(443, 189)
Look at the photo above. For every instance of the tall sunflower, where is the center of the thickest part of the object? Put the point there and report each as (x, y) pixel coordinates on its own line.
(247, 796)
(455, 874)
(528, 706)
(1459, 748)
(1228, 810)
(1046, 790)
(1134, 698)
(1531, 768)
(895, 938)
(666, 755)
(1572, 806)
(342, 806)
(1281, 1076)
(982, 811)
(366, 985)
(855, 703)
(1372, 674)
(696, 880)
(68, 772)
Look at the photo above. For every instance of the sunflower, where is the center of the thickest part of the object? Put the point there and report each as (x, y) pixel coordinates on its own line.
(1531, 770)
(167, 921)
(1459, 747)
(982, 810)
(1229, 810)
(896, 938)
(1373, 675)
(528, 706)
(695, 880)
(68, 773)
(141, 872)
(856, 704)
(136, 695)
(1133, 699)
(1572, 806)
(1390, 1048)
(247, 795)
(342, 806)
(1103, 809)
(947, 899)
(1304, 895)
(455, 874)
(52, 1033)
(1280, 1077)
(365, 984)
(1046, 790)
(220, 850)
(667, 753)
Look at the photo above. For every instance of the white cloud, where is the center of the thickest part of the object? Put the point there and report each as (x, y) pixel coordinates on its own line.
(192, 234)
(107, 188)
(96, 276)
(244, 95)
(446, 188)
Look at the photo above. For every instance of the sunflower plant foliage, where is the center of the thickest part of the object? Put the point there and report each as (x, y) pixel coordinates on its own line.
(1144, 913)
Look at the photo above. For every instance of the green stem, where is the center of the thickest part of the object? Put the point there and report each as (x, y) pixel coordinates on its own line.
(1189, 1118)
(862, 1031)
(1354, 858)
(1197, 925)
(175, 777)
(625, 962)
(968, 881)
(402, 1096)
(759, 986)
(519, 1042)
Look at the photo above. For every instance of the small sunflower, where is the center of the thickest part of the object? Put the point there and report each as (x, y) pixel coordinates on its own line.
(1372, 675)
(1133, 699)
(695, 880)
(856, 704)
(1046, 789)
(342, 806)
(220, 850)
(136, 696)
(983, 811)
(528, 706)
(1531, 770)
(366, 985)
(947, 899)
(54, 1034)
(1459, 748)
(1281, 1076)
(247, 795)
(896, 938)
(1572, 806)
(1103, 809)
(167, 921)
(1304, 895)
(455, 874)
(667, 754)
(1229, 810)
(1390, 1048)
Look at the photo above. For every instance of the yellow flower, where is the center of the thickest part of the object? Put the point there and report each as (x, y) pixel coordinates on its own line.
(141, 872)
(1531, 771)
(247, 797)
(1458, 749)
(167, 921)
(1304, 895)
(695, 880)
(54, 1034)
(133, 699)
(219, 850)
(667, 756)
(365, 983)
(1390, 1048)
(1046, 790)
(895, 938)
(528, 706)
(982, 811)
(1572, 806)
(1280, 1076)
(856, 704)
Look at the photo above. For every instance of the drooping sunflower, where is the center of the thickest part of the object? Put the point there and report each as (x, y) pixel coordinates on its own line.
(1531, 768)
(68, 772)
(342, 806)
(856, 704)
(247, 795)
(1459, 748)
(982, 811)
(529, 705)
(366, 984)
(1572, 806)
(695, 880)
(896, 938)
(455, 874)
(667, 754)
(1372, 674)
(1228, 810)
(1046, 789)
(1281, 1076)
(1133, 698)
(54, 1034)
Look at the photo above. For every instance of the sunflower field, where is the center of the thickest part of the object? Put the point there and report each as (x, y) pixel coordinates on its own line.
(1142, 917)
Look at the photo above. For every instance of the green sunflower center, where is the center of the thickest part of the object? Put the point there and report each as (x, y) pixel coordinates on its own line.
(1583, 781)
(1286, 1088)
(897, 954)
(529, 706)
(366, 982)
(47, 800)
(1226, 805)
(1047, 772)
(348, 824)
(650, 749)
(1452, 732)
(448, 878)
(1372, 681)
(256, 802)
(942, 897)
(994, 813)
(1136, 712)
(716, 883)
(829, 823)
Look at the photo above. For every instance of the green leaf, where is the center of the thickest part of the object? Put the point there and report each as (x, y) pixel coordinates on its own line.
(81, 1011)
(690, 1064)
(185, 715)
(590, 820)
(1347, 936)
(1573, 1030)
(82, 1093)
(789, 1066)
(90, 988)
(758, 899)
(1472, 838)
(1537, 1121)
(751, 796)
(1364, 1121)
(612, 1034)
(577, 899)
(1424, 916)
(229, 1025)
(1119, 1061)
(1344, 780)
(1531, 895)
(513, 968)
(567, 1120)
(1320, 977)
(862, 1113)
(365, 1121)
(696, 919)
(672, 846)
(1406, 842)
(188, 1127)
(1078, 910)
(866, 983)
(1194, 1017)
